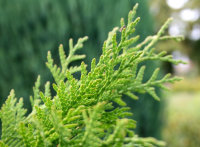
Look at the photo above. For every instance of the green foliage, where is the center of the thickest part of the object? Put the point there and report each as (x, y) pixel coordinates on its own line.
(30, 29)
(12, 114)
(82, 112)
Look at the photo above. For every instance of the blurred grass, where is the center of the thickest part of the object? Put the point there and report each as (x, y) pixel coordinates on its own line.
(182, 128)
(187, 84)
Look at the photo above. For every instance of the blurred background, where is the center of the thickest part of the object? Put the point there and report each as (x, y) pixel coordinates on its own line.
(182, 105)
(28, 29)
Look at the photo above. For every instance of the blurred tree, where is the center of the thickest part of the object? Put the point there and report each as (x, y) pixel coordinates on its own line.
(186, 22)
(28, 29)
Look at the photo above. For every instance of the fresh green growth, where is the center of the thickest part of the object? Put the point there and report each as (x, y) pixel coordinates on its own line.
(82, 112)
(30, 28)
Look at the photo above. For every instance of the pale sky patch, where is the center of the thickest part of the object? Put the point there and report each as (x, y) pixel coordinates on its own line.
(195, 33)
(189, 14)
(176, 4)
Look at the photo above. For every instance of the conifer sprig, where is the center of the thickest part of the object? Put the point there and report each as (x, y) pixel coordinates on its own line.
(81, 113)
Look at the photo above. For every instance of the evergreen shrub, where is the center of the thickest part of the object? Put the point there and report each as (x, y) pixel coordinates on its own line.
(29, 29)
(81, 113)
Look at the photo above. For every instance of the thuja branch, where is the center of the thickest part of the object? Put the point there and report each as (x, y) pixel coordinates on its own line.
(81, 113)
